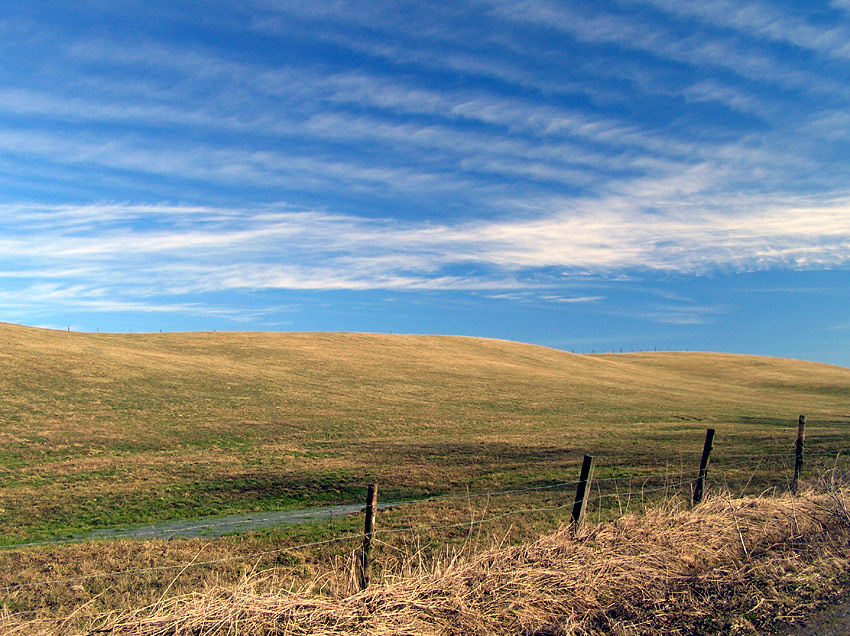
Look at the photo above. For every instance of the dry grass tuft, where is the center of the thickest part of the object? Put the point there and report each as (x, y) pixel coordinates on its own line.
(728, 566)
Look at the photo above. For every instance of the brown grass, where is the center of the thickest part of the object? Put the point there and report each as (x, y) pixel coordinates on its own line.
(107, 429)
(742, 566)
(102, 430)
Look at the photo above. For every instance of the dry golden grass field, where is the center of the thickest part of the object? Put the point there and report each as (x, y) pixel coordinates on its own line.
(104, 430)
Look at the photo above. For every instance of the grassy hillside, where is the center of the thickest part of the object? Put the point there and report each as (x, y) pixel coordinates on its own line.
(104, 429)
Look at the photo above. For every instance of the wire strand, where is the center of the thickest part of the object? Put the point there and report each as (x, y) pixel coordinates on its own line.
(119, 532)
(723, 469)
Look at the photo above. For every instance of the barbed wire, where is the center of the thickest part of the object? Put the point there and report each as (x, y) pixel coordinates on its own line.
(257, 555)
(722, 468)
(140, 533)
(121, 532)
(134, 533)
(384, 531)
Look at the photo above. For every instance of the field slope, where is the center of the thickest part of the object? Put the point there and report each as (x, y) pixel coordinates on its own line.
(105, 429)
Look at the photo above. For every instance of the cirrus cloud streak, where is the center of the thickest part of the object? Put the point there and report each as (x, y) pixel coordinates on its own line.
(204, 250)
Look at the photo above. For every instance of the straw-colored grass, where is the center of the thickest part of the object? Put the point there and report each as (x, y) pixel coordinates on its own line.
(103, 430)
(110, 429)
(743, 566)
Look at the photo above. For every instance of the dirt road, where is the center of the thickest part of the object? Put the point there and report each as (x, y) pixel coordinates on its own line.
(218, 526)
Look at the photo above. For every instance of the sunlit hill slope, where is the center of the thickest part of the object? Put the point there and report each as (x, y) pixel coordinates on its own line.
(98, 429)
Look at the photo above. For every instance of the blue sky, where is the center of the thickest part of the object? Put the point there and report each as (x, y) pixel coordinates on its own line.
(592, 176)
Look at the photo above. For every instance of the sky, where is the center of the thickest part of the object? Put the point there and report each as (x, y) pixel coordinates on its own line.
(591, 176)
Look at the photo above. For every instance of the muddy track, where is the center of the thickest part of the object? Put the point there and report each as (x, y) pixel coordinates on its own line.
(228, 524)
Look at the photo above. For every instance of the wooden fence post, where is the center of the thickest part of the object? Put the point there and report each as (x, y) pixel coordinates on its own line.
(703, 465)
(580, 505)
(365, 569)
(798, 451)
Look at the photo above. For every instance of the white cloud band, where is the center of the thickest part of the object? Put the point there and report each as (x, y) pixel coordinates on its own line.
(187, 250)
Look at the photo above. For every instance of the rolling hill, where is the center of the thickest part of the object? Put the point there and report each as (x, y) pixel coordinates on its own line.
(104, 429)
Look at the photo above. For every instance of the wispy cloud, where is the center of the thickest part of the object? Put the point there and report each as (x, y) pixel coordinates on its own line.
(765, 21)
(713, 91)
(513, 149)
(305, 127)
(209, 250)
(679, 314)
(574, 299)
(635, 33)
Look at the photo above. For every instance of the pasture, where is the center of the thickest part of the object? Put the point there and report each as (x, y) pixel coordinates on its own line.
(104, 430)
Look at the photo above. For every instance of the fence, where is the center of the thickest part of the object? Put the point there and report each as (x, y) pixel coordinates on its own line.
(673, 482)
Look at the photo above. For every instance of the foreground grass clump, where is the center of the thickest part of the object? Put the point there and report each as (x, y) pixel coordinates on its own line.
(728, 566)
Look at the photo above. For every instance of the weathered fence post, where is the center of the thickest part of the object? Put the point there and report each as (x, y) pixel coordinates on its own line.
(365, 570)
(798, 451)
(703, 464)
(580, 506)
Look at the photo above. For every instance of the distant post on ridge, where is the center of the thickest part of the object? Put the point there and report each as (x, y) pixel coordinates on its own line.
(580, 505)
(703, 465)
(798, 451)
